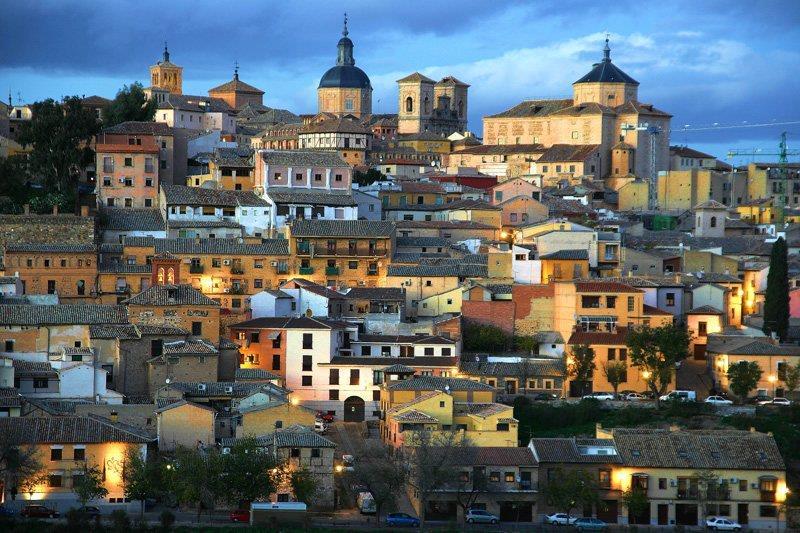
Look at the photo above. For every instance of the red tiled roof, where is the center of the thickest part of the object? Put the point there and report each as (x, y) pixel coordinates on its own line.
(650, 310)
(421, 187)
(603, 286)
(616, 338)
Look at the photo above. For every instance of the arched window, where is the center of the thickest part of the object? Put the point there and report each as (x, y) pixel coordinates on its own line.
(409, 105)
(460, 108)
(427, 105)
(171, 277)
(161, 275)
(81, 287)
(713, 222)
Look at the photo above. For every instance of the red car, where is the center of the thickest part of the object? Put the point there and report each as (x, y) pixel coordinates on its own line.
(38, 511)
(240, 515)
(328, 418)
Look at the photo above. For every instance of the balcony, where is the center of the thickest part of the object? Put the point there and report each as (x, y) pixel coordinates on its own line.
(303, 248)
(196, 269)
(305, 270)
(332, 271)
(767, 496)
(237, 289)
(237, 270)
(687, 494)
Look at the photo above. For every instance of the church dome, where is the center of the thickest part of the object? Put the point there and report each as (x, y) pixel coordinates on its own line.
(606, 71)
(345, 74)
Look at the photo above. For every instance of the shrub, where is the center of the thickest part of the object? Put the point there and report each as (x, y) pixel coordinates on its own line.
(120, 521)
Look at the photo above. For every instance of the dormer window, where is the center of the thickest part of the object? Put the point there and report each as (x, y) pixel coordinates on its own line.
(172, 294)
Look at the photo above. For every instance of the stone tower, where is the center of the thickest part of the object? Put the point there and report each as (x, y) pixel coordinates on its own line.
(167, 75)
(709, 219)
(417, 98)
(345, 89)
(622, 159)
(457, 92)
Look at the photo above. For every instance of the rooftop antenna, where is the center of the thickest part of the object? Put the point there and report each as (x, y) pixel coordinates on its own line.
(236, 70)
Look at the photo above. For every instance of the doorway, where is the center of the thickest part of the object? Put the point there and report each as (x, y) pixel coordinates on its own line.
(354, 409)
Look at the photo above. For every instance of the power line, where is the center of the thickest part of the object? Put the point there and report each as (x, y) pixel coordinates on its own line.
(688, 128)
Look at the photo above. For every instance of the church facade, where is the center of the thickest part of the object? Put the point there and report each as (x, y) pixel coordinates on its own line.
(632, 137)
(345, 89)
(425, 105)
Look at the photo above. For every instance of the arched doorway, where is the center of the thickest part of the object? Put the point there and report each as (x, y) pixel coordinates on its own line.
(354, 409)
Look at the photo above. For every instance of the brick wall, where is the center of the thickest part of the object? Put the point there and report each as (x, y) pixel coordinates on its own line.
(497, 313)
(533, 308)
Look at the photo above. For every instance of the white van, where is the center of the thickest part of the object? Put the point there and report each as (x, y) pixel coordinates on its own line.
(680, 395)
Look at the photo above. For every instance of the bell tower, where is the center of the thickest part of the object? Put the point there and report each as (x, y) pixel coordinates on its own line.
(166, 270)
(167, 75)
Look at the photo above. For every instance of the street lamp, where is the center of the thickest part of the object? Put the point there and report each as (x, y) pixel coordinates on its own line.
(646, 375)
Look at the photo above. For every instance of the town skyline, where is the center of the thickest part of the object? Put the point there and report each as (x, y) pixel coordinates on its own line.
(502, 68)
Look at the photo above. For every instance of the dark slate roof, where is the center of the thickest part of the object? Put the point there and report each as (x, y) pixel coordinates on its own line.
(188, 102)
(535, 367)
(50, 247)
(567, 152)
(29, 369)
(285, 195)
(606, 72)
(277, 322)
(10, 397)
(254, 374)
(69, 429)
(534, 108)
(432, 271)
(342, 228)
(114, 331)
(760, 347)
(714, 449)
(404, 339)
(120, 267)
(163, 295)
(430, 383)
(160, 330)
(685, 151)
(397, 368)
(189, 347)
(140, 128)
(567, 254)
(213, 246)
(131, 220)
(336, 124)
(348, 76)
(316, 288)
(183, 195)
(568, 450)
(423, 241)
(302, 158)
(376, 294)
(422, 361)
(239, 157)
(78, 314)
(291, 437)
(177, 224)
(217, 388)
(494, 456)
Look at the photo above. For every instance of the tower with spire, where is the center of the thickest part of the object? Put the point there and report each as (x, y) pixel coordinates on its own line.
(345, 89)
(605, 84)
(166, 75)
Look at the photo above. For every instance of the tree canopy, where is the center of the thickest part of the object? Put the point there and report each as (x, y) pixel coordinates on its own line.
(776, 304)
(616, 373)
(744, 377)
(573, 489)
(60, 134)
(656, 351)
(581, 365)
(129, 104)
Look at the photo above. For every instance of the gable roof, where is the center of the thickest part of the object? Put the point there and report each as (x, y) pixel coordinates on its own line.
(141, 219)
(569, 450)
(295, 158)
(77, 314)
(69, 429)
(342, 228)
(300, 322)
(163, 295)
(567, 255)
(548, 367)
(184, 195)
(433, 383)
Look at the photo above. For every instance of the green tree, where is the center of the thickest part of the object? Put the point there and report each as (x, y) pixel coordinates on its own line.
(20, 468)
(776, 304)
(197, 478)
(581, 366)
(744, 377)
(248, 469)
(485, 338)
(381, 470)
(791, 378)
(88, 484)
(708, 489)
(616, 373)
(60, 134)
(304, 485)
(129, 104)
(573, 489)
(471, 484)
(13, 183)
(636, 501)
(141, 477)
(656, 351)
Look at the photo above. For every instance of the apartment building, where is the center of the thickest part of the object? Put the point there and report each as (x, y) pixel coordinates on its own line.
(66, 270)
(200, 206)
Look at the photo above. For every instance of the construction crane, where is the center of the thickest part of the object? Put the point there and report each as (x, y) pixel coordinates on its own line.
(783, 154)
(652, 180)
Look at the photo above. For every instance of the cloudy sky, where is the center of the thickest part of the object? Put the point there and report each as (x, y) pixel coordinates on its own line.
(726, 62)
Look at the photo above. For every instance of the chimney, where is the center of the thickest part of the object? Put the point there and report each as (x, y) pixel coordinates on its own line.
(55, 209)
(84, 210)
(26, 209)
(114, 417)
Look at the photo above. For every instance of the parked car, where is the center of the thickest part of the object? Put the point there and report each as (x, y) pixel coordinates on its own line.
(38, 511)
(718, 400)
(680, 396)
(545, 397)
(5, 511)
(776, 401)
(401, 519)
(603, 396)
(719, 523)
(633, 397)
(240, 515)
(90, 511)
(759, 400)
(479, 516)
(328, 418)
(590, 524)
(560, 519)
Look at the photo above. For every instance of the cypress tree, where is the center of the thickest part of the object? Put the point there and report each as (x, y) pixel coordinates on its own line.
(776, 306)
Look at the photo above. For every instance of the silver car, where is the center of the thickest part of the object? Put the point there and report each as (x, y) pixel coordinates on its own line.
(479, 516)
